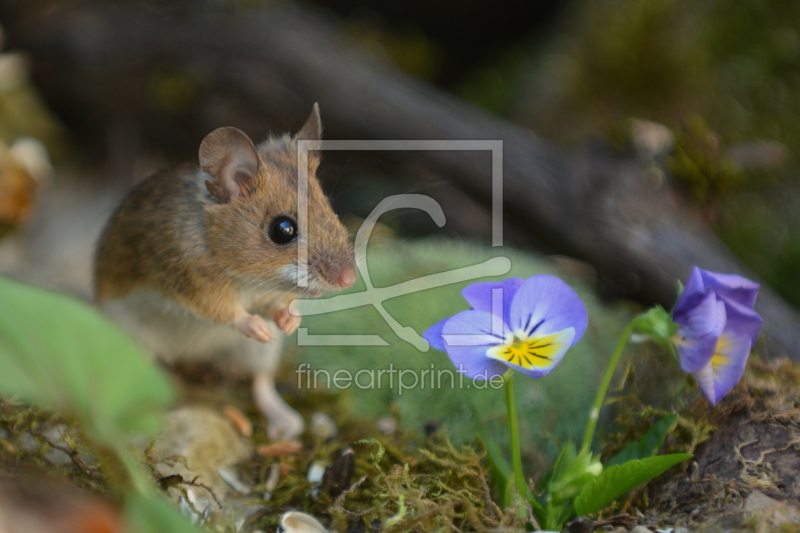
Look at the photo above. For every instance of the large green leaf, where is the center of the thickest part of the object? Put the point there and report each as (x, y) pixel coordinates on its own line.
(153, 514)
(648, 445)
(61, 354)
(618, 480)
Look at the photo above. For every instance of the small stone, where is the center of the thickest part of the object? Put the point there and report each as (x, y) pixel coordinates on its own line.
(195, 443)
(56, 435)
(323, 426)
(239, 420)
(431, 427)
(651, 139)
(316, 472)
(640, 529)
(387, 425)
(581, 524)
(296, 522)
(280, 449)
(337, 477)
(771, 511)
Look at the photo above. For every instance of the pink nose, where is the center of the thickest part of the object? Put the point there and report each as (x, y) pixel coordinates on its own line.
(347, 277)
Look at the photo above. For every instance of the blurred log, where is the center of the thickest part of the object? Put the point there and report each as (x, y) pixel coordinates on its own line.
(172, 74)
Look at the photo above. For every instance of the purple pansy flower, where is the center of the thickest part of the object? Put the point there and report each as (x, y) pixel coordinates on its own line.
(524, 324)
(718, 328)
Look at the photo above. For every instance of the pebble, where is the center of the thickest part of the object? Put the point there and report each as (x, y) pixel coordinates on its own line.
(323, 426)
(316, 472)
(581, 524)
(296, 522)
(769, 510)
(196, 443)
(387, 425)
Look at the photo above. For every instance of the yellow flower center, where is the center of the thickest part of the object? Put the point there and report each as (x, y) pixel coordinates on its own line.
(718, 359)
(532, 353)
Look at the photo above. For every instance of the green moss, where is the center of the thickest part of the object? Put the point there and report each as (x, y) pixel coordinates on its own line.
(701, 164)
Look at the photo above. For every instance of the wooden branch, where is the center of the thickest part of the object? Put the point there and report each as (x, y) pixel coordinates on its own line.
(171, 78)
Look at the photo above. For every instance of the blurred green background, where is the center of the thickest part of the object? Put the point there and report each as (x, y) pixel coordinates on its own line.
(723, 77)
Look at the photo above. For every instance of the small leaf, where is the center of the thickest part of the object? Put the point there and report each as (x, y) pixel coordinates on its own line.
(563, 462)
(60, 353)
(618, 480)
(648, 445)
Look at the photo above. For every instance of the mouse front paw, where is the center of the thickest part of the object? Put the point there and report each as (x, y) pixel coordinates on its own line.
(286, 321)
(255, 327)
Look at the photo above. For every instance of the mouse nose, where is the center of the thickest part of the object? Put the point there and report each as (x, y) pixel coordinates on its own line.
(347, 277)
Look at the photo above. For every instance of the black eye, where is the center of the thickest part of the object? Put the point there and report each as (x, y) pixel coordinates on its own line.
(283, 230)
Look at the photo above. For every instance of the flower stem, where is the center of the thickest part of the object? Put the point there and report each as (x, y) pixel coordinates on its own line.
(591, 425)
(516, 456)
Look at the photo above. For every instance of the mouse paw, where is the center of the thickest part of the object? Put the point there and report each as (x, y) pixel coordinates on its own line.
(285, 425)
(286, 321)
(255, 327)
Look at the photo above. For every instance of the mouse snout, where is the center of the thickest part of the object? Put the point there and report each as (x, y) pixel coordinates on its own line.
(347, 276)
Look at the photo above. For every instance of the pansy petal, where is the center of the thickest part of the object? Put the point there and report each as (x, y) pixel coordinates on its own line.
(474, 328)
(726, 367)
(545, 304)
(537, 356)
(732, 287)
(468, 335)
(693, 293)
(479, 295)
(473, 363)
(697, 338)
(703, 318)
(434, 335)
(743, 321)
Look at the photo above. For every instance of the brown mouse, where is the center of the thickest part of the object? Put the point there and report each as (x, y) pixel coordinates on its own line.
(201, 261)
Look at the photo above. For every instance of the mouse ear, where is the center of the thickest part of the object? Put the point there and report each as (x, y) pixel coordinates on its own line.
(312, 129)
(229, 156)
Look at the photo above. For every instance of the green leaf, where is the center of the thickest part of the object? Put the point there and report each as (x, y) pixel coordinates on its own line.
(648, 445)
(538, 510)
(618, 480)
(153, 514)
(570, 477)
(658, 324)
(61, 354)
(564, 460)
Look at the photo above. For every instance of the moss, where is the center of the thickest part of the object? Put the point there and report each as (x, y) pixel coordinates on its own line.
(701, 164)
(25, 446)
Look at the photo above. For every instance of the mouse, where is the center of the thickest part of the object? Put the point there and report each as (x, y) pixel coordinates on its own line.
(200, 262)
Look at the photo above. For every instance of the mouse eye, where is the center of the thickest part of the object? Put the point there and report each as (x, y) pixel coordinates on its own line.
(283, 230)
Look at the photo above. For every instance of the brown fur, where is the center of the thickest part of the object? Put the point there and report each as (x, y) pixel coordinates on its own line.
(179, 234)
